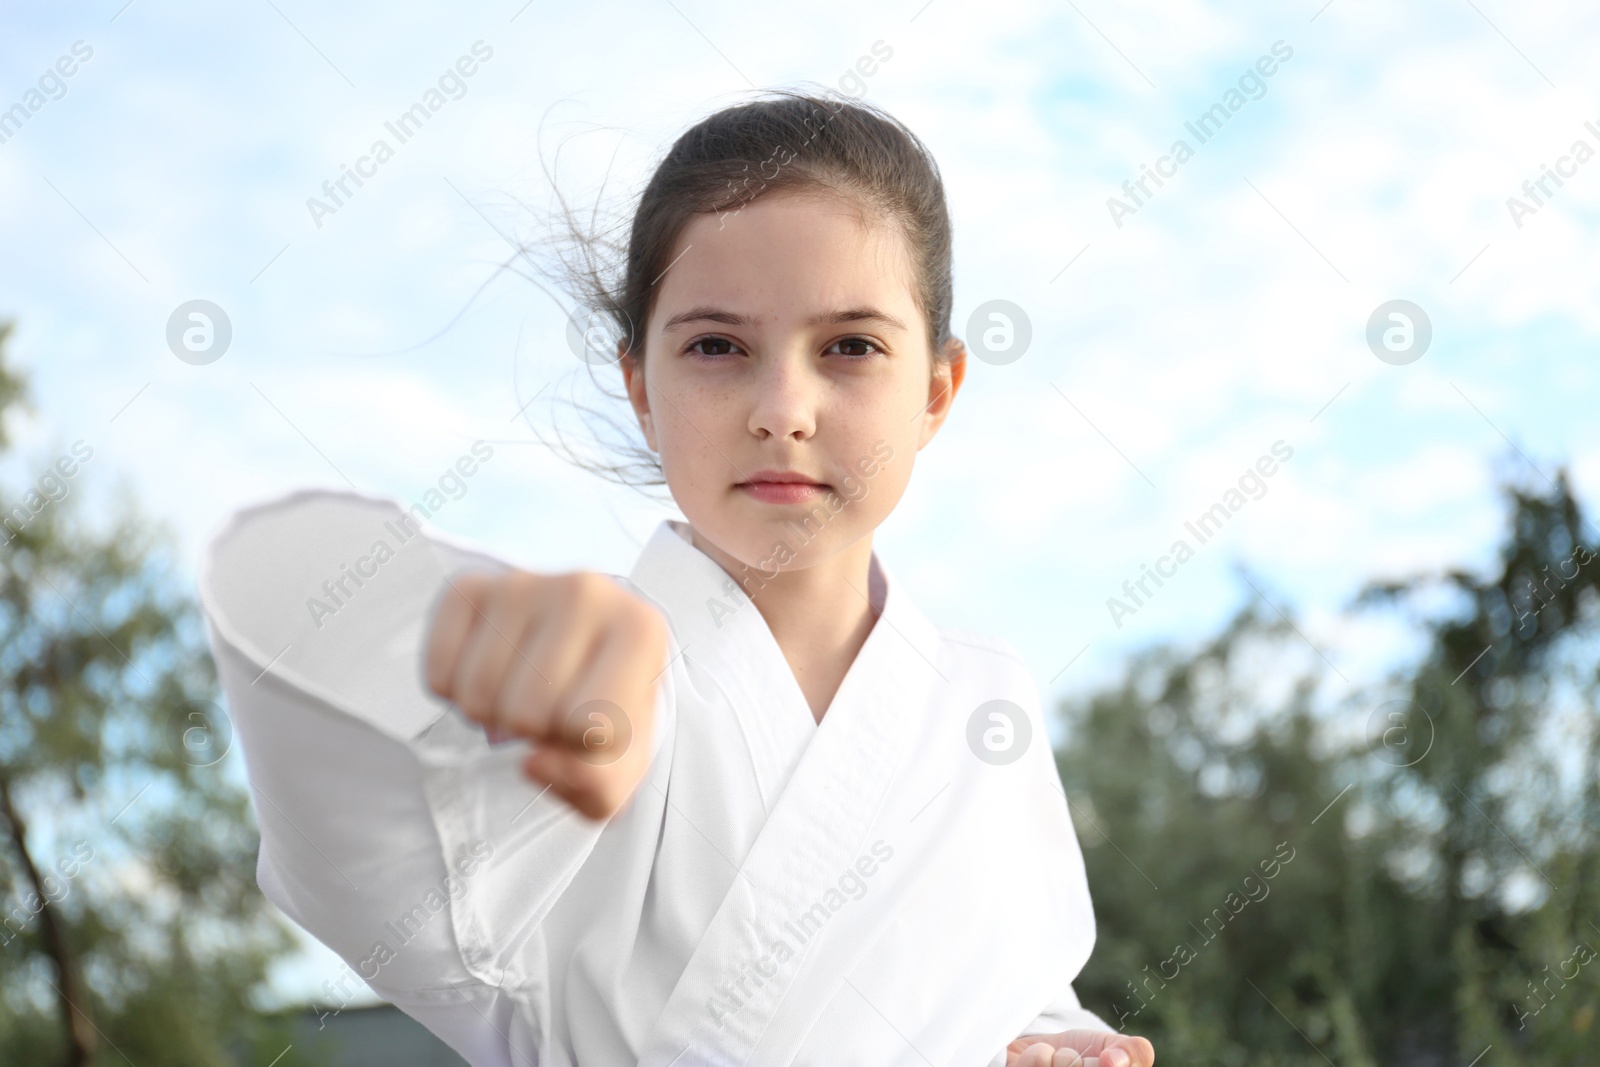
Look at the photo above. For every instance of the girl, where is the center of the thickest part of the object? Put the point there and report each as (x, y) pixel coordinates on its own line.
(746, 804)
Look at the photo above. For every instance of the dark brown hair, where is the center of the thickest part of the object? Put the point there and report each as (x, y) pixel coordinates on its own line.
(788, 141)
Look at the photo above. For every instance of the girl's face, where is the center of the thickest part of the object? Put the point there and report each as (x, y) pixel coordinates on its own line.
(786, 340)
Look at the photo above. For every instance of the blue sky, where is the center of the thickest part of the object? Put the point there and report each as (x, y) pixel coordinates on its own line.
(1227, 313)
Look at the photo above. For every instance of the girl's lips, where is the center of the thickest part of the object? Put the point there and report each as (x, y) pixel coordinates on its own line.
(783, 492)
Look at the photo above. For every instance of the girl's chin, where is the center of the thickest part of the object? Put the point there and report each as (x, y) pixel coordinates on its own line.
(776, 538)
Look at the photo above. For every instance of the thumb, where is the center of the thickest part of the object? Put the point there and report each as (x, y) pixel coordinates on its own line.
(1127, 1052)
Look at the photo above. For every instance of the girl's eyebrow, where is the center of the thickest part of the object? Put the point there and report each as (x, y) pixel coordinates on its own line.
(708, 313)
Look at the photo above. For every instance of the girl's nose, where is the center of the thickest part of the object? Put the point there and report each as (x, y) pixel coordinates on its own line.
(786, 393)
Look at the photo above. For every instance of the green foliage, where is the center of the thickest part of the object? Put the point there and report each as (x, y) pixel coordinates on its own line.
(1441, 900)
(127, 855)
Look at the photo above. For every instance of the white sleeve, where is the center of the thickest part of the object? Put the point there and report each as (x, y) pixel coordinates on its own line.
(348, 851)
(1065, 1014)
(390, 829)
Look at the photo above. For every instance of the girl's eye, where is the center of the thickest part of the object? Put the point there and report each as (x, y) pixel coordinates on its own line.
(857, 343)
(711, 356)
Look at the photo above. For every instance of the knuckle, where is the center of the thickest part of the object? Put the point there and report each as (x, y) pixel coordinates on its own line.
(566, 593)
(514, 590)
(470, 585)
(464, 594)
(591, 587)
(642, 621)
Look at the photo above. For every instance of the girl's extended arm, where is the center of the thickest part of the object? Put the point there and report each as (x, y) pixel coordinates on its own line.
(391, 829)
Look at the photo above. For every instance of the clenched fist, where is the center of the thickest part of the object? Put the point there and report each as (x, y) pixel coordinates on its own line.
(567, 661)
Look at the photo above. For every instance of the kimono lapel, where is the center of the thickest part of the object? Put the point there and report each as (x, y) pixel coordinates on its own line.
(719, 628)
(822, 795)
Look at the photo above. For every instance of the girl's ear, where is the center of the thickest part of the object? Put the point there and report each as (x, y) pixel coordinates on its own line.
(633, 381)
(948, 374)
(958, 363)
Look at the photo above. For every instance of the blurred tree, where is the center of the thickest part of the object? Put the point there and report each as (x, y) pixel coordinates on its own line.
(1409, 877)
(132, 929)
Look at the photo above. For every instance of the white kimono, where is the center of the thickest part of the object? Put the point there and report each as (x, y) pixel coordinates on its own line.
(866, 890)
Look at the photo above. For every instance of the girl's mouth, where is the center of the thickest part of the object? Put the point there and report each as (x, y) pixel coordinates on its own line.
(783, 492)
(782, 487)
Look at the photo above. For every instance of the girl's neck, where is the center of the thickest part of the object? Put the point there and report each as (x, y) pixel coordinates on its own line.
(819, 616)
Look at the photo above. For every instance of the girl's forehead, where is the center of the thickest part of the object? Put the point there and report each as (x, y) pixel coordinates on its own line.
(790, 255)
